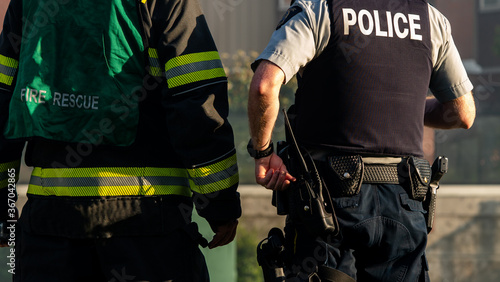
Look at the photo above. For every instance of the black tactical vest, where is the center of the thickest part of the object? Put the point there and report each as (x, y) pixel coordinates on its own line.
(366, 92)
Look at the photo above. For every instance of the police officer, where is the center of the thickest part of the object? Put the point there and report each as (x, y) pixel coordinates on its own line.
(364, 69)
(124, 107)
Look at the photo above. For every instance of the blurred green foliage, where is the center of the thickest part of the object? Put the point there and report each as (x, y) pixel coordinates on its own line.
(247, 265)
(496, 41)
(4, 260)
(240, 75)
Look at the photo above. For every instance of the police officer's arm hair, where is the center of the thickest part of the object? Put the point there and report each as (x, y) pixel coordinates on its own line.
(457, 113)
(263, 102)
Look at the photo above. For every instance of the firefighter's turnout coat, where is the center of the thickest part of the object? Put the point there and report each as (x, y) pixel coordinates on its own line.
(123, 106)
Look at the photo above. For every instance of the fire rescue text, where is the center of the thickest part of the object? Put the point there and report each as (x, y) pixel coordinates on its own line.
(64, 100)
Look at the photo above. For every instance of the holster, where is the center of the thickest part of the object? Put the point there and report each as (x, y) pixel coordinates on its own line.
(438, 170)
(346, 174)
(304, 201)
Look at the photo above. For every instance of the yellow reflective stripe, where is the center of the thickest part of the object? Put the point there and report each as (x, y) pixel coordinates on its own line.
(4, 172)
(109, 181)
(213, 168)
(9, 62)
(153, 53)
(195, 77)
(8, 67)
(192, 58)
(193, 67)
(144, 1)
(108, 191)
(5, 79)
(4, 167)
(157, 171)
(217, 186)
(96, 172)
(154, 62)
(155, 71)
(215, 177)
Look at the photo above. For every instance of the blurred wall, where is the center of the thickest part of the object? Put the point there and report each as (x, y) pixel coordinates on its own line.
(462, 17)
(241, 24)
(476, 29)
(462, 247)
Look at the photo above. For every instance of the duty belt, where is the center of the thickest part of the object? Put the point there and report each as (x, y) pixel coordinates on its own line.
(348, 172)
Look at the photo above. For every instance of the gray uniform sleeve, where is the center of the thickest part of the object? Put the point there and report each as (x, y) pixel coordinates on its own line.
(449, 79)
(300, 37)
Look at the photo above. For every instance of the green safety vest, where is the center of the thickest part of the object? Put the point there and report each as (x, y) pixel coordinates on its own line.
(81, 69)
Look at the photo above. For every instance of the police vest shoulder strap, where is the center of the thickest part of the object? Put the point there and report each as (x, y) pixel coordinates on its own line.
(328, 274)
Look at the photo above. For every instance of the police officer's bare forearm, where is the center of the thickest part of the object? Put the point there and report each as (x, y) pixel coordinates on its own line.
(458, 113)
(263, 107)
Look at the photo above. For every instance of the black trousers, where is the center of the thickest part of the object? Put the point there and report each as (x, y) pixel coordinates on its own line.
(173, 257)
(47, 248)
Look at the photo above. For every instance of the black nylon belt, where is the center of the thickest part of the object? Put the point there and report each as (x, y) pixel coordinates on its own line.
(376, 170)
(383, 170)
(381, 174)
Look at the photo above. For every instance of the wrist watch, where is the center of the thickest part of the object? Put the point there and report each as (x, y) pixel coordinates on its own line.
(260, 154)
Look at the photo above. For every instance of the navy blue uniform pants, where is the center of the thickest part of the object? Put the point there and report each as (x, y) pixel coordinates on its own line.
(382, 237)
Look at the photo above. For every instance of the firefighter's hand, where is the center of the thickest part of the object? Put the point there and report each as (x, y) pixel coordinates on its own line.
(6, 227)
(224, 234)
(4, 234)
(271, 173)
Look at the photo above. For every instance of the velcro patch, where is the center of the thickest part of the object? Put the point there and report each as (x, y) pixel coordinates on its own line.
(290, 13)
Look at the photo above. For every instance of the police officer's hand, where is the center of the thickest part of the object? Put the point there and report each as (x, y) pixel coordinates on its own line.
(224, 233)
(271, 173)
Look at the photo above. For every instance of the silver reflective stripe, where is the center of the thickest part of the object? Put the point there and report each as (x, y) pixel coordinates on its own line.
(154, 62)
(8, 71)
(193, 67)
(108, 181)
(215, 177)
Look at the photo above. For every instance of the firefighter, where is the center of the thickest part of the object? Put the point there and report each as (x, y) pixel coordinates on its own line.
(123, 106)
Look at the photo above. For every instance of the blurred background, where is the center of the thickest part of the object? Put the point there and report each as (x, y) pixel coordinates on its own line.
(464, 244)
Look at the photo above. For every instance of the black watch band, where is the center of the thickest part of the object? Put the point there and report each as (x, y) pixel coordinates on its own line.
(259, 154)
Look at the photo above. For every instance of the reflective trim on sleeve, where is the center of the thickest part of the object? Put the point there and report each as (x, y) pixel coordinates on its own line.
(154, 63)
(192, 68)
(87, 182)
(8, 68)
(215, 177)
(6, 169)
